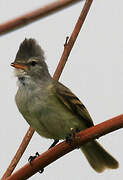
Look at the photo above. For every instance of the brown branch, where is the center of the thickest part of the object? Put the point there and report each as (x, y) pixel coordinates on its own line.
(63, 148)
(19, 153)
(34, 15)
(67, 48)
(69, 45)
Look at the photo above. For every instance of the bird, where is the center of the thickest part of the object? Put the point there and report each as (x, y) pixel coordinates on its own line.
(50, 107)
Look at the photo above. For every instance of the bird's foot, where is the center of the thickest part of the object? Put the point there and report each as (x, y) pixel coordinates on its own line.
(31, 158)
(72, 138)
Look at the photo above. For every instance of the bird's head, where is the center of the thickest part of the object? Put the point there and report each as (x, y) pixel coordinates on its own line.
(30, 61)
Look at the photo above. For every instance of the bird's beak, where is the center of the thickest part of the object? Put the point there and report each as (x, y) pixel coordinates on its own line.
(19, 66)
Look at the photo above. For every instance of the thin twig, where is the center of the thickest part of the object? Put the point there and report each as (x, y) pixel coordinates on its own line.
(68, 47)
(35, 15)
(66, 41)
(19, 153)
(57, 73)
(63, 148)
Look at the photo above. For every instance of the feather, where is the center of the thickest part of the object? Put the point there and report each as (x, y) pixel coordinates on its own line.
(29, 48)
(73, 103)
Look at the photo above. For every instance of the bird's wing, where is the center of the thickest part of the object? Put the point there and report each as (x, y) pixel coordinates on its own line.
(72, 103)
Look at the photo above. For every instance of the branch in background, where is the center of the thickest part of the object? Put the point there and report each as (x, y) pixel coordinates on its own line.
(63, 148)
(19, 153)
(35, 15)
(67, 48)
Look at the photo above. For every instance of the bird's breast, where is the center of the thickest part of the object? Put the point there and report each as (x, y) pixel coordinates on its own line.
(46, 114)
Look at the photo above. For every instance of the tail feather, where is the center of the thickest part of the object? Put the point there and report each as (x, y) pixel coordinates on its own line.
(98, 157)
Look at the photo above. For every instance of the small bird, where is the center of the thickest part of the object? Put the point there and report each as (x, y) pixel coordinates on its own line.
(50, 107)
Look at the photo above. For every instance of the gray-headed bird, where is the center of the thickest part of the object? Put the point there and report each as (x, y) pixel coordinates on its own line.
(50, 107)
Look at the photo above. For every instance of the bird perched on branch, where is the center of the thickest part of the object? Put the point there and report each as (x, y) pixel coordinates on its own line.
(50, 107)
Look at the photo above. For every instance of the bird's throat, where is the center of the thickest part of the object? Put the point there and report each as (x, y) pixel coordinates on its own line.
(22, 80)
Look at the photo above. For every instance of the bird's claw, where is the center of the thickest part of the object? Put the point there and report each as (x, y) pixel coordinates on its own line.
(71, 138)
(31, 158)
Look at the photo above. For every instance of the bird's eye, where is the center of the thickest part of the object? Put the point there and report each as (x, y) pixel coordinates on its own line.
(33, 63)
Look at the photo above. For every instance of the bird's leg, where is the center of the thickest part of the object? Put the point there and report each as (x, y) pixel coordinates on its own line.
(54, 143)
(31, 158)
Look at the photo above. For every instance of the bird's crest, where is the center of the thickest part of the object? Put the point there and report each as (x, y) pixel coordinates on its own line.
(29, 48)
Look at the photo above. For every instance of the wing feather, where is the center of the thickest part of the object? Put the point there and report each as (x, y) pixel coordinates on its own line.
(73, 103)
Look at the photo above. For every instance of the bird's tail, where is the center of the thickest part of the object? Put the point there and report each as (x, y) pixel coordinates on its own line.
(98, 157)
